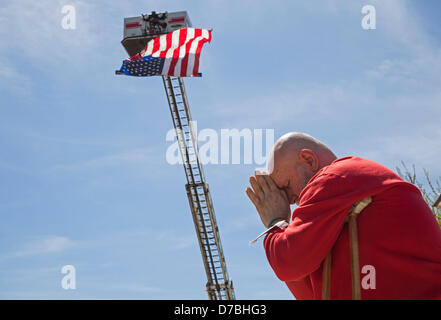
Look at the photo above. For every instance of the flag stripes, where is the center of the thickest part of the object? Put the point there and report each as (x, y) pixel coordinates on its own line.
(180, 51)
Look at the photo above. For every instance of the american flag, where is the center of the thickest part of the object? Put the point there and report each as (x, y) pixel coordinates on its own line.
(174, 54)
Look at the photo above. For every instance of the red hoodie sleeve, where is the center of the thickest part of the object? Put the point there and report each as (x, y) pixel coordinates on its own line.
(298, 250)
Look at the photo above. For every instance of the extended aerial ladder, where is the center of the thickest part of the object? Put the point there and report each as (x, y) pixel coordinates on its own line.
(219, 285)
(137, 32)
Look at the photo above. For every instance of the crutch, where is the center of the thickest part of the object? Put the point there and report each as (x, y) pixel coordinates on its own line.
(356, 209)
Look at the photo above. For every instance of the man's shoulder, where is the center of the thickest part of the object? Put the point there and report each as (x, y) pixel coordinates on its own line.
(350, 177)
(354, 172)
(356, 166)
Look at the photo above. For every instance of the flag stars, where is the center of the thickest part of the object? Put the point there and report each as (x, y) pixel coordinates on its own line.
(150, 66)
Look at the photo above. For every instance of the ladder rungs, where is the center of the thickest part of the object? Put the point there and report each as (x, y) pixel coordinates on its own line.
(198, 194)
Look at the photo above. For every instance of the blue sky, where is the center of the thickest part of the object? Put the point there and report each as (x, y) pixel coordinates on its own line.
(83, 175)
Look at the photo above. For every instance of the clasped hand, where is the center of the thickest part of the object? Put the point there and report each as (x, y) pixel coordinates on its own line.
(270, 201)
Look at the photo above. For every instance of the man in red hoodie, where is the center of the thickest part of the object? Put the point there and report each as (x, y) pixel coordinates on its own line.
(399, 238)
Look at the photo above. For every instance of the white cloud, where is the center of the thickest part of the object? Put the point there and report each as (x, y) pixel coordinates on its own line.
(395, 18)
(138, 156)
(422, 70)
(13, 80)
(272, 108)
(34, 41)
(173, 240)
(51, 244)
(34, 30)
(422, 148)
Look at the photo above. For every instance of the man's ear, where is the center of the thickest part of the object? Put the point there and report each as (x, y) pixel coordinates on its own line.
(308, 158)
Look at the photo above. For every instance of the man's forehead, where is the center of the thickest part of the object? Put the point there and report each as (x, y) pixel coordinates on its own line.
(276, 160)
(275, 174)
(270, 162)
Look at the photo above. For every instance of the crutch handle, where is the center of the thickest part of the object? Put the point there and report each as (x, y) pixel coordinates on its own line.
(355, 264)
(351, 219)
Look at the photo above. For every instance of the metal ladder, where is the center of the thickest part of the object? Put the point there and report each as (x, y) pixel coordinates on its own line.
(219, 286)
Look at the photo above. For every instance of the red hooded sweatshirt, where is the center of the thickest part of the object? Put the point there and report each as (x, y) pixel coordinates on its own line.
(398, 235)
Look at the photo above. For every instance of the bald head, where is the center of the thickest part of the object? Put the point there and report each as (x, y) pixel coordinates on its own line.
(291, 144)
(295, 158)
